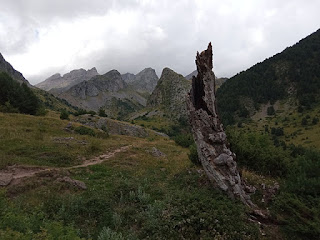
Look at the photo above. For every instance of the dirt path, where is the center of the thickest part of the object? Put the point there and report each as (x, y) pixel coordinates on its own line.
(20, 171)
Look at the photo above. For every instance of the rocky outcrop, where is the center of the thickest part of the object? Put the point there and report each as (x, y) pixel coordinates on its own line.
(57, 83)
(111, 82)
(128, 77)
(144, 81)
(7, 68)
(218, 161)
(112, 126)
(170, 94)
(107, 91)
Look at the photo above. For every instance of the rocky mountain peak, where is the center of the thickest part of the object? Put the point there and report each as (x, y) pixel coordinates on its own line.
(128, 77)
(170, 93)
(57, 83)
(56, 76)
(144, 81)
(7, 68)
(113, 74)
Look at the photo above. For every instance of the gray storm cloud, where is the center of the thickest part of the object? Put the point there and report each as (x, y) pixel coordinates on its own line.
(42, 37)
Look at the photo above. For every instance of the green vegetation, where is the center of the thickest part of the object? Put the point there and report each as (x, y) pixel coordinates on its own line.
(17, 98)
(51, 102)
(64, 115)
(26, 139)
(297, 67)
(132, 195)
(102, 112)
(296, 207)
(85, 131)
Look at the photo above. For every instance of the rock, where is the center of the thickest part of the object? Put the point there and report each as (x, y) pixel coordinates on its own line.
(73, 182)
(108, 91)
(7, 68)
(57, 83)
(5, 179)
(112, 126)
(144, 81)
(214, 153)
(170, 94)
(156, 152)
(68, 128)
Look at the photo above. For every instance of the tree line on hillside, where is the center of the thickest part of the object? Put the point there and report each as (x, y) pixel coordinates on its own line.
(294, 71)
(18, 98)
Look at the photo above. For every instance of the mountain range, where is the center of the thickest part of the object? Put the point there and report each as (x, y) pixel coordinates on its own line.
(57, 83)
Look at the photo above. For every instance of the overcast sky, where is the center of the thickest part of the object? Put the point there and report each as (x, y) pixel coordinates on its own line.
(43, 37)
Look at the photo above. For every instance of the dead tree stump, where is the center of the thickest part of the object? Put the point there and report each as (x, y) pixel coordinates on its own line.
(214, 153)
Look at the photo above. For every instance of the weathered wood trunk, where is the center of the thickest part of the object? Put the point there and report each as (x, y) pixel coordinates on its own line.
(213, 148)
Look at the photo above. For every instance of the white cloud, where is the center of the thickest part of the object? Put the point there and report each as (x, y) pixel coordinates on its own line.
(41, 37)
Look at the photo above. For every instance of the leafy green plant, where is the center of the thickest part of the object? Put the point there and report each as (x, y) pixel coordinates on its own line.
(102, 112)
(193, 155)
(184, 140)
(64, 115)
(82, 130)
(108, 234)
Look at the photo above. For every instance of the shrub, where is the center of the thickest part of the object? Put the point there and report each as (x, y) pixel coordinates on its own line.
(102, 112)
(184, 140)
(257, 152)
(315, 120)
(92, 113)
(80, 112)
(270, 111)
(64, 115)
(82, 130)
(193, 155)
(304, 121)
(277, 131)
(108, 234)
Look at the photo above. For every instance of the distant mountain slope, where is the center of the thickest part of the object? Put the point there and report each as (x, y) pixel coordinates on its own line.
(189, 76)
(170, 94)
(7, 68)
(144, 81)
(294, 73)
(219, 81)
(47, 100)
(108, 91)
(59, 83)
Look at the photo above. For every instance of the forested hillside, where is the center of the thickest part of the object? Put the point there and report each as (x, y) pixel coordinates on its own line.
(295, 73)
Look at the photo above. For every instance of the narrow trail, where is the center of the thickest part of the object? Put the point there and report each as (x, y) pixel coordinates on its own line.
(22, 171)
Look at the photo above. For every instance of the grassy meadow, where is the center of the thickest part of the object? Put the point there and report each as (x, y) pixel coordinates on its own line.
(133, 195)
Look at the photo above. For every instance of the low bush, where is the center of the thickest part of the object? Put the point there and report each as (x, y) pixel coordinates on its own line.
(193, 155)
(184, 140)
(82, 130)
(64, 115)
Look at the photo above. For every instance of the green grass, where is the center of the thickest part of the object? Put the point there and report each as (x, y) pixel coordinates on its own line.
(291, 122)
(31, 140)
(134, 194)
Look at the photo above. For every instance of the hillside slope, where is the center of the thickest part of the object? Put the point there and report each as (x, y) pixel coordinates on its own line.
(107, 91)
(292, 74)
(7, 68)
(170, 94)
(144, 82)
(138, 189)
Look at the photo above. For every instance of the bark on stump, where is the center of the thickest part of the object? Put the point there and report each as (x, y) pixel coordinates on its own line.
(214, 153)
